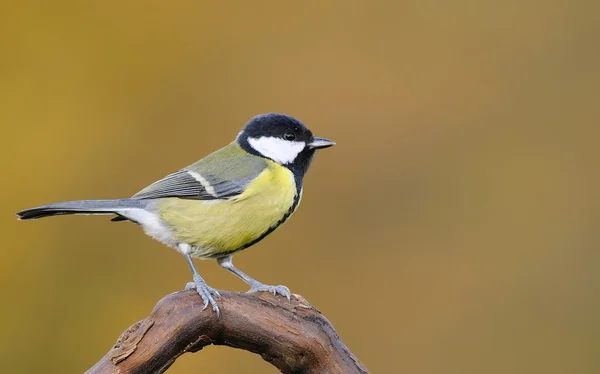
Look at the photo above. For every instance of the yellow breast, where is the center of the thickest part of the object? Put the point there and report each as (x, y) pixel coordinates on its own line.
(218, 227)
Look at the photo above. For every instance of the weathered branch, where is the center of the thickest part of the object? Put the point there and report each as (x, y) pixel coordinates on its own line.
(292, 335)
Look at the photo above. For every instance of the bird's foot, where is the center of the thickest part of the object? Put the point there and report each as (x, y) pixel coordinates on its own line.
(282, 290)
(208, 294)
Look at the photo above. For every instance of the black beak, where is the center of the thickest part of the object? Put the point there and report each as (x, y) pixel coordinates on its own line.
(320, 143)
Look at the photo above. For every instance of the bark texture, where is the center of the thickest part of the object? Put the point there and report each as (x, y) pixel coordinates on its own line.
(291, 335)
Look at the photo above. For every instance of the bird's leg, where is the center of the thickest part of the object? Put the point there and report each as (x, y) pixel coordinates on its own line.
(255, 286)
(207, 293)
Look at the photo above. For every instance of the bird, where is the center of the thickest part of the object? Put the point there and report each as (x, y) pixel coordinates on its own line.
(222, 204)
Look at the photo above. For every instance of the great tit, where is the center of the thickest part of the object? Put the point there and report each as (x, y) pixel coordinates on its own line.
(222, 204)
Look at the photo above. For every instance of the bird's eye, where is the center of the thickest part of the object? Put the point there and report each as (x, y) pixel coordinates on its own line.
(289, 136)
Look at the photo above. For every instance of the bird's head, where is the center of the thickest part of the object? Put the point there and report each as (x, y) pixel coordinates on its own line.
(281, 138)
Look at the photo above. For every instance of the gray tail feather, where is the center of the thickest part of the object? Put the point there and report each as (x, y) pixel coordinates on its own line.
(79, 207)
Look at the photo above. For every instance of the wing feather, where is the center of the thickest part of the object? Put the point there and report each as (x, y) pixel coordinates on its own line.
(221, 175)
(179, 184)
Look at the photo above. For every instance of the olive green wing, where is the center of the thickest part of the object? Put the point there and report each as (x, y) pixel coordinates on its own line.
(220, 175)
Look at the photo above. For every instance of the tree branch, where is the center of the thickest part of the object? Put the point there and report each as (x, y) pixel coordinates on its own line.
(291, 335)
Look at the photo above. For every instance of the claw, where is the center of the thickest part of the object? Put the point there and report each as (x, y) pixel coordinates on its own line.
(282, 290)
(206, 293)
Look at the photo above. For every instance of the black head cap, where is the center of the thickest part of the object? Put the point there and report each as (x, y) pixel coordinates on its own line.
(283, 139)
(276, 125)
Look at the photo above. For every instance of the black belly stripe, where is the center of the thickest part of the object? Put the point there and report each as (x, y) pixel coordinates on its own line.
(270, 229)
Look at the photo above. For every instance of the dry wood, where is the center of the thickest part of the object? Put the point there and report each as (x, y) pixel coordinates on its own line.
(291, 335)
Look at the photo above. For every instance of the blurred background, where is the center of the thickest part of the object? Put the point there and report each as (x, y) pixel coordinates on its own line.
(453, 229)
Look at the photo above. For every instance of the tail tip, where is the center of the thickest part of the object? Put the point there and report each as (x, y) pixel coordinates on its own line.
(26, 214)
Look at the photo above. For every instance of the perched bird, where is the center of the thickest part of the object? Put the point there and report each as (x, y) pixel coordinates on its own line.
(222, 204)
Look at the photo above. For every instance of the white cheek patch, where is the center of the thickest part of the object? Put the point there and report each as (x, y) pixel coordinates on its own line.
(279, 150)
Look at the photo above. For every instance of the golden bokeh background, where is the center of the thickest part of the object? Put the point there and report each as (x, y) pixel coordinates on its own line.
(453, 229)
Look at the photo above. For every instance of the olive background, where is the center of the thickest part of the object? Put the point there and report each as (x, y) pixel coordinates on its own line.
(453, 229)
